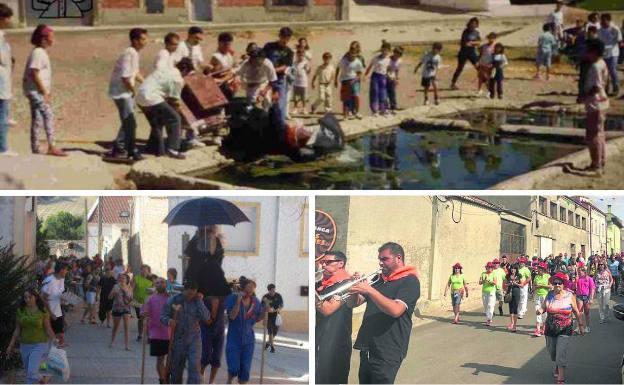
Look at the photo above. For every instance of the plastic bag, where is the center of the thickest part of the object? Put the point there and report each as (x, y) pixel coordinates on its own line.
(278, 320)
(58, 362)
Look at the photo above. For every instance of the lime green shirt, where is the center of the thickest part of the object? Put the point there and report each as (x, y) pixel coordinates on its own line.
(488, 287)
(525, 273)
(141, 285)
(32, 326)
(541, 280)
(500, 277)
(456, 281)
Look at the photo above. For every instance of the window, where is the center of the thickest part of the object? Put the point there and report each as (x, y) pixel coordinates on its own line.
(300, 3)
(578, 221)
(583, 250)
(562, 214)
(155, 6)
(572, 250)
(513, 237)
(124, 214)
(570, 218)
(553, 210)
(244, 238)
(543, 205)
(584, 223)
(304, 245)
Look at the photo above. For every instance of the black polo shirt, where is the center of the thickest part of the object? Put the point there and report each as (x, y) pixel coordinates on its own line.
(383, 335)
(279, 55)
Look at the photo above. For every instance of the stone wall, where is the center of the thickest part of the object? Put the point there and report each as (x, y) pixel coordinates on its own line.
(466, 5)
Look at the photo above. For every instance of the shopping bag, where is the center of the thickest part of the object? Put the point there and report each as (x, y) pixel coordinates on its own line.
(278, 320)
(57, 362)
(71, 298)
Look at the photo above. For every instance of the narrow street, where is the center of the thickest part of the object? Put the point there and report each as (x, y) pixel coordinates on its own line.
(93, 362)
(443, 353)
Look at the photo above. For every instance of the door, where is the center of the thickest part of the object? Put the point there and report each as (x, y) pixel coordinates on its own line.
(202, 10)
(572, 250)
(546, 246)
(583, 251)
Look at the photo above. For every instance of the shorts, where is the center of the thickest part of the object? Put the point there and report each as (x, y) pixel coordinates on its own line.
(543, 59)
(91, 297)
(271, 327)
(583, 298)
(499, 295)
(427, 82)
(300, 94)
(58, 325)
(349, 89)
(120, 313)
(456, 298)
(159, 348)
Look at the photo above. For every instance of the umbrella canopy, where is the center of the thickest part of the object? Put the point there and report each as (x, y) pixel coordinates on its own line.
(205, 211)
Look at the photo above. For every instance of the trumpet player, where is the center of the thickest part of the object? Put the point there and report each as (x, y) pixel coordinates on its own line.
(333, 323)
(384, 335)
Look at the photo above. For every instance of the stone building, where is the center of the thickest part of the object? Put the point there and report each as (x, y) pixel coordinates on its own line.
(614, 233)
(18, 224)
(272, 248)
(116, 219)
(597, 222)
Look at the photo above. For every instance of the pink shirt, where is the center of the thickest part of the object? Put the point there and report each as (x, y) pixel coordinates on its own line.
(585, 285)
(154, 307)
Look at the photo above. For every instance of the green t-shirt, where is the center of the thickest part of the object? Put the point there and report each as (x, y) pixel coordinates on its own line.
(141, 285)
(541, 280)
(488, 287)
(501, 275)
(525, 273)
(457, 282)
(32, 326)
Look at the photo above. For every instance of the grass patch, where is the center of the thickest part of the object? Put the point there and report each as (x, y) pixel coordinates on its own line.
(601, 5)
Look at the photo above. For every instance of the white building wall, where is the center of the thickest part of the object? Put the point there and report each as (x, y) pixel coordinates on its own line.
(466, 5)
(7, 217)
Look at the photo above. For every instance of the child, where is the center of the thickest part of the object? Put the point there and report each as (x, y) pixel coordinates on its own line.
(324, 73)
(303, 43)
(596, 105)
(393, 78)
(37, 84)
(350, 73)
(431, 62)
(486, 59)
(499, 62)
(378, 85)
(6, 66)
(546, 44)
(300, 86)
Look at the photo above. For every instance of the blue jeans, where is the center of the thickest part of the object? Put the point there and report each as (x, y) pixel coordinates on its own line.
(127, 131)
(392, 95)
(32, 355)
(239, 359)
(191, 353)
(613, 75)
(281, 86)
(4, 125)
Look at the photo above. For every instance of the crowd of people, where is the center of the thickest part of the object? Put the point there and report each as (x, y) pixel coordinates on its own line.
(560, 286)
(184, 323)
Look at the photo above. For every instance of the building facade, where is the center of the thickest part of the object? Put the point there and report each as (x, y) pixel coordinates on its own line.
(115, 212)
(18, 224)
(466, 5)
(614, 233)
(272, 248)
(218, 11)
(598, 226)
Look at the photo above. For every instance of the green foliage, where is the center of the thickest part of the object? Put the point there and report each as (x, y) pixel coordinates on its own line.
(601, 5)
(16, 273)
(43, 250)
(64, 225)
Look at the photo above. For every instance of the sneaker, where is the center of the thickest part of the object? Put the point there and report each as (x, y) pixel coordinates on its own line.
(266, 346)
(602, 321)
(137, 156)
(479, 93)
(272, 349)
(537, 333)
(436, 102)
(454, 87)
(358, 116)
(55, 151)
(8, 153)
(375, 115)
(139, 338)
(426, 102)
(175, 154)
(194, 143)
(587, 329)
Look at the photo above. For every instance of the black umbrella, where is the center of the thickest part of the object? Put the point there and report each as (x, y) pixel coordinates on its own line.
(201, 212)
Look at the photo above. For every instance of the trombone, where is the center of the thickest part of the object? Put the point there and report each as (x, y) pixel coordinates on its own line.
(343, 291)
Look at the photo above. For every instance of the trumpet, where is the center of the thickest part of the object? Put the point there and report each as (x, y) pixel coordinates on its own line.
(319, 275)
(343, 290)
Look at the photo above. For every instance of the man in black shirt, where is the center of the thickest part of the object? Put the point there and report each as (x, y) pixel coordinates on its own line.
(384, 335)
(282, 58)
(275, 303)
(333, 323)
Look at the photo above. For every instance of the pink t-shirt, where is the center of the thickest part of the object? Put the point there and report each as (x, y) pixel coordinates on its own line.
(585, 285)
(154, 306)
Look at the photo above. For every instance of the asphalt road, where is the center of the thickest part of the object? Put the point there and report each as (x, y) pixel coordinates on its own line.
(443, 353)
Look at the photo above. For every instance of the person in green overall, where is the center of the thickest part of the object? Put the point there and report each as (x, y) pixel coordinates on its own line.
(140, 284)
(488, 280)
(459, 289)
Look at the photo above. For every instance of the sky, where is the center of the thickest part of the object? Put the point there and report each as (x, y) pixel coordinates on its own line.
(616, 202)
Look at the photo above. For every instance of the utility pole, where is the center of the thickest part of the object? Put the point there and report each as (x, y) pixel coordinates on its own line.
(100, 240)
(86, 225)
(434, 258)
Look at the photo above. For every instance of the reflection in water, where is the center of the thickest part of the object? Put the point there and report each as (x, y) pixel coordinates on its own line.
(401, 159)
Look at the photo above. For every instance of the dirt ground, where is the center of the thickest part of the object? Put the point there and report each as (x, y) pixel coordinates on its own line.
(86, 118)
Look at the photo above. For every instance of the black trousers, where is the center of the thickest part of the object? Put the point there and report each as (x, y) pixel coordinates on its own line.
(464, 56)
(159, 116)
(333, 363)
(495, 85)
(377, 370)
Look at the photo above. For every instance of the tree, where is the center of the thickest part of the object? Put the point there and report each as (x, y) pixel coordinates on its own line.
(65, 226)
(43, 250)
(16, 273)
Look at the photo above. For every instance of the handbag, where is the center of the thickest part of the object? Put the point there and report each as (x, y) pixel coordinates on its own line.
(278, 320)
(507, 297)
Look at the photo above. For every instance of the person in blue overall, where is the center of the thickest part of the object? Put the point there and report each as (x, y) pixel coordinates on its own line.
(244, 310)
(184, 312)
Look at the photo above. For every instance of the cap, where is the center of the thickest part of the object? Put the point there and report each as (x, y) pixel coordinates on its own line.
(495, 261)
(457, 266)
(489, 264)
(559, 275)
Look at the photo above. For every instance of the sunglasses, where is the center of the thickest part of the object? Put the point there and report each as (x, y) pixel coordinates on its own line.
(557, 283)
(329, 261)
